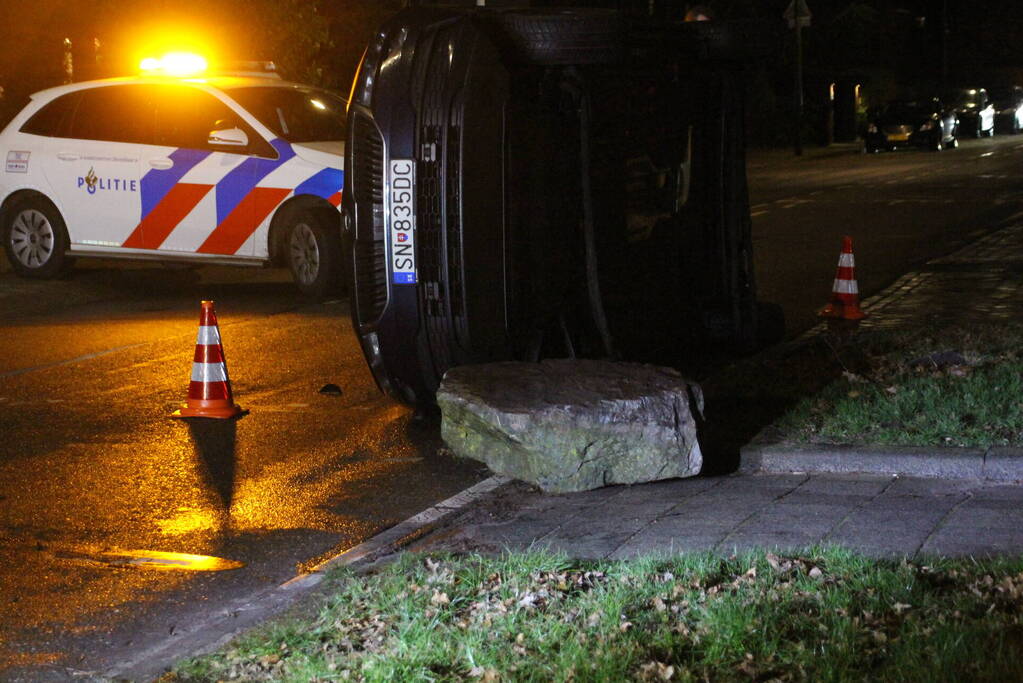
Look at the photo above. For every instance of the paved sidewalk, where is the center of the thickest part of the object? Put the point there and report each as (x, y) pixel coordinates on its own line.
(882, 514)
(879, 516)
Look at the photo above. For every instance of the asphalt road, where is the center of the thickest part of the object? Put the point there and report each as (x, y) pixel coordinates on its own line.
(96, 480)
(900, 208)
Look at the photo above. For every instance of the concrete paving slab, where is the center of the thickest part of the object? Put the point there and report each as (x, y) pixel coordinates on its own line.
(781, 540)
(974, 543)
(814, 520)
(802, 496)
(886, 529)
(847, 484)
(646, 546)
(917, 486)
(763, 483)
(1005, 492)
(727, 512)
(983, 518)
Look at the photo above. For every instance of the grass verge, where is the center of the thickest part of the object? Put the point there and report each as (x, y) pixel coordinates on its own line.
(824, 615)
(953, 387)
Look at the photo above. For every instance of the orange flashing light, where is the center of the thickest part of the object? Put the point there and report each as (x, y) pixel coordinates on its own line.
(177, 64)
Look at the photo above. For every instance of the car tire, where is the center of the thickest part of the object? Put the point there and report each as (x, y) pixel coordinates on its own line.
(312, 250)
(36, 239)
(562, 37)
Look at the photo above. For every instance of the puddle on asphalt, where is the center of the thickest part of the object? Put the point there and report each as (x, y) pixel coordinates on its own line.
(147, 559)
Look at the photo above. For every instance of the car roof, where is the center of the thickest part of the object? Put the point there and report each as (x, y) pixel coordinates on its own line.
(216, 82)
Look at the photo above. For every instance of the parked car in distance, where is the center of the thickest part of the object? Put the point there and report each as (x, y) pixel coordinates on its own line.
(1008, 102)
(912, 123)
(975, 111)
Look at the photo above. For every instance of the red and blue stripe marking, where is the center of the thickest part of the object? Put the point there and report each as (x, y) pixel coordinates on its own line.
(241, 206)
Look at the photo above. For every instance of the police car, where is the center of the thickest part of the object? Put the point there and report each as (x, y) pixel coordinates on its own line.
(237, 170)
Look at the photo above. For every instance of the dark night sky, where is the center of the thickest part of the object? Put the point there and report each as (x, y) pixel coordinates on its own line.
(899, 42)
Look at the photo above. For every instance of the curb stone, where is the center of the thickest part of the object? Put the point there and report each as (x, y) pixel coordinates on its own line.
(998, 464)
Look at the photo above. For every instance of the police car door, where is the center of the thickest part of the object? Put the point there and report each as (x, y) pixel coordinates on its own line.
(93, 168)
(192, 198)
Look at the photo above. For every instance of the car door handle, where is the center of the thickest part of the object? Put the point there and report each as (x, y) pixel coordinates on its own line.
(162, 163)
(67, 156)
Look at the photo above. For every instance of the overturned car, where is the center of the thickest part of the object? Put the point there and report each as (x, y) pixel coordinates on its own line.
(536, 182)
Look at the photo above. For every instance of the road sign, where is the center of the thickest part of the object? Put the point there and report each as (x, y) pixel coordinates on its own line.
(797, 13)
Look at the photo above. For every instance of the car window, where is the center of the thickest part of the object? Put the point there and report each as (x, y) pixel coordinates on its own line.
(120, 113)
(185, 116)
(295, 114)
(54, 118)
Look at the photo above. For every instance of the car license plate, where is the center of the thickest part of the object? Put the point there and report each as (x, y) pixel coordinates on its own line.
(402, 223)
(898, 137)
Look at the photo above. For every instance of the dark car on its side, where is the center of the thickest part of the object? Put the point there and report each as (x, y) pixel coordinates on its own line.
(922, 123)
(539, 182)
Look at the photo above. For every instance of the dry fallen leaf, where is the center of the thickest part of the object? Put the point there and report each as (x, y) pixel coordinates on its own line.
(656, 671)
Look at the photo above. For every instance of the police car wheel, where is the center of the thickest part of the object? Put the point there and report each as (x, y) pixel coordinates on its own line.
(35, 239)
(313, 255)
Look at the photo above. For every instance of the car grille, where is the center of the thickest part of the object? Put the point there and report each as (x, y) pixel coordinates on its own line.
(898, 130)
(368, 191)
(438, 218)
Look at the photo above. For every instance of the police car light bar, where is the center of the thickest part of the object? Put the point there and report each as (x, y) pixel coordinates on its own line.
(179, 64)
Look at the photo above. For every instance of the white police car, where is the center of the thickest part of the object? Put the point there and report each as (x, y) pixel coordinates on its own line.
(234, 170)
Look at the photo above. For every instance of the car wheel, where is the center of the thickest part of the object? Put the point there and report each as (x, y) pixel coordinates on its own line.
(313, 252)
(36, 239)
(563, 37)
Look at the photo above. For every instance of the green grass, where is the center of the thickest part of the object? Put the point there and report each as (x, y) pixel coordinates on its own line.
(826, 615)
(892, 394)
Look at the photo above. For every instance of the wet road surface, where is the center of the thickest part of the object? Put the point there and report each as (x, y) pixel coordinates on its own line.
(119, 525)
(104, 499)
(901, 209)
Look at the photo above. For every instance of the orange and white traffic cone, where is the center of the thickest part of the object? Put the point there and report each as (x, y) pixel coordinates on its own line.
(845, 294)
(209, 392)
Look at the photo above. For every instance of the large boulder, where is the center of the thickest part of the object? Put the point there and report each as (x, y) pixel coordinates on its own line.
(573, 425)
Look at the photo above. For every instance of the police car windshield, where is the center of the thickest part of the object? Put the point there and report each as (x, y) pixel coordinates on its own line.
(295, 114)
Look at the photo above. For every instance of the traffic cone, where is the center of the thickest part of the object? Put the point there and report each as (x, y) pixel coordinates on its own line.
(209, 392)
(845, 294)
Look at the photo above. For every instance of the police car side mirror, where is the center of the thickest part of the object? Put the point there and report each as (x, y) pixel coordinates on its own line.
(231, 137)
